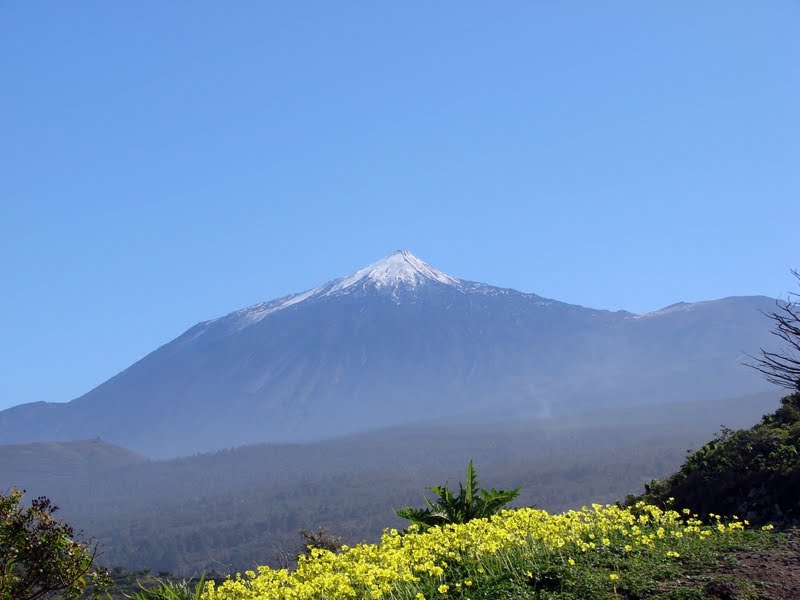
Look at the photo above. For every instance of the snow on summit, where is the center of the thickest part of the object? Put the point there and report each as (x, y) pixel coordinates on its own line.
(401, 268)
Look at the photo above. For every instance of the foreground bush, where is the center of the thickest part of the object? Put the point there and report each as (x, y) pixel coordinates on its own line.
(597, 552)
(751, 472)
(39, 556)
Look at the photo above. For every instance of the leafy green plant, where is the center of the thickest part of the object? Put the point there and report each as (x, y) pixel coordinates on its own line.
(472, 502)
(39, 556)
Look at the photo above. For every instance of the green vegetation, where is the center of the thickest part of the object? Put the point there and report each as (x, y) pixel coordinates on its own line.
(39, 555)
(752, 472)
(472, 502)
(166, 589)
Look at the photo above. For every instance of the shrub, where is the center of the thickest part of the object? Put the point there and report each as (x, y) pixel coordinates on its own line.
(321, 538)
(39, 555)
(752, 472)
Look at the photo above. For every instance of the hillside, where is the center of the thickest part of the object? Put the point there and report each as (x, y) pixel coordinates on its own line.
(751, 472)
(44, 467)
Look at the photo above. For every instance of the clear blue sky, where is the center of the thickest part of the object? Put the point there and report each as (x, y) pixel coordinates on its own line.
(167, 163)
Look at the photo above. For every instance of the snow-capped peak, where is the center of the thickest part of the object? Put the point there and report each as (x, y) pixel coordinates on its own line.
(400, 267)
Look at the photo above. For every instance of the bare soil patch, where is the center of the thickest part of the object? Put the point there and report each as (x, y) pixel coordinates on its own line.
(774, 572)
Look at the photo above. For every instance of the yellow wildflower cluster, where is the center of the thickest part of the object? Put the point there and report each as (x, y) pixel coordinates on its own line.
(427, 564)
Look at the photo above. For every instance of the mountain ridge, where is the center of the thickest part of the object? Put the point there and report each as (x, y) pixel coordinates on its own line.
(395, 343)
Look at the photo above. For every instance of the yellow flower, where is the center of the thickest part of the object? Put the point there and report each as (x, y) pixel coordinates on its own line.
(407, 564)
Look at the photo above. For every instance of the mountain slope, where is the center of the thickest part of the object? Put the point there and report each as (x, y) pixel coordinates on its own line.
(400, 342)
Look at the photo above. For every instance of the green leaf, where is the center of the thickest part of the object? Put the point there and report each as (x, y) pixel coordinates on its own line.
(472, 502)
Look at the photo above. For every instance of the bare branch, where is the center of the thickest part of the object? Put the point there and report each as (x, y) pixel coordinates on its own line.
(783, 367)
